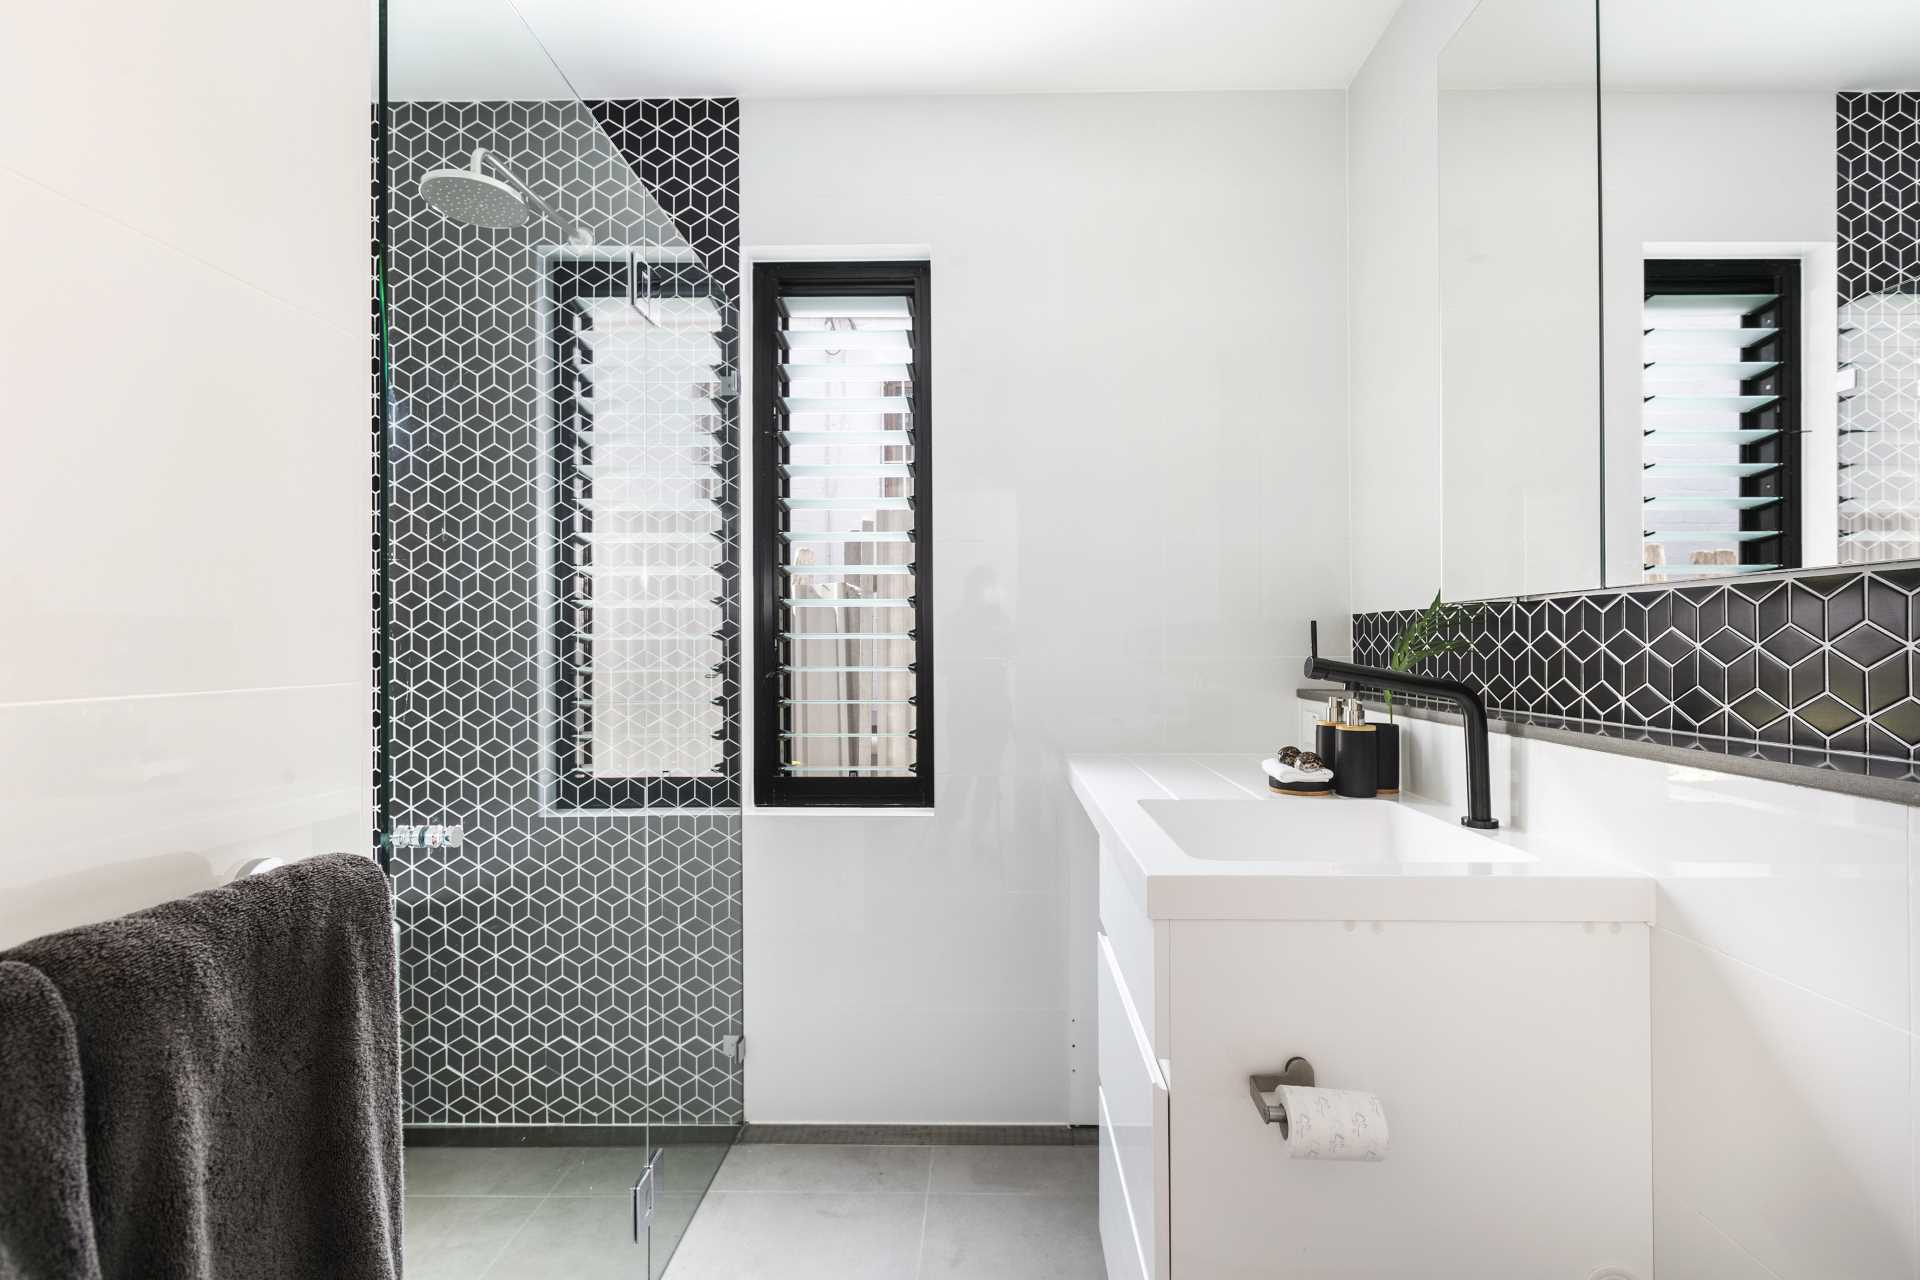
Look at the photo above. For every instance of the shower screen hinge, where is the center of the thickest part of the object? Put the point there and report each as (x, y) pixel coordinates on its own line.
(643, 1199)
(734, 1047)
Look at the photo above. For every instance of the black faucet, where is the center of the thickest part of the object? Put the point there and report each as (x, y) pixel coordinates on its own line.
(1473, 714)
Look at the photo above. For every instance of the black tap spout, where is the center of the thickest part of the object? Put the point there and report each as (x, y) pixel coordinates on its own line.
(1467, 699)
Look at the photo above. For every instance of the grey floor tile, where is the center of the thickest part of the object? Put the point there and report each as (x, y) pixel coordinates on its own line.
(1012, 1237)
(690, 1166)
(747, 1235)
(1055, 1171)
(602, 1171)
(672, 1211)
(485, 1171)
(573, 1238)
(458, 1237)
(824, 1169)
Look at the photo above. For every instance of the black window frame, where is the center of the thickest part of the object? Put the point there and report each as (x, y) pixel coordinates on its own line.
(771, 282)
(1780, 522)
(571, 529)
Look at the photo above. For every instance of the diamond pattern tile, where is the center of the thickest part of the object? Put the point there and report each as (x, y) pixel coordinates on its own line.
(1825, 662)
(558, 967)
(1879, 238)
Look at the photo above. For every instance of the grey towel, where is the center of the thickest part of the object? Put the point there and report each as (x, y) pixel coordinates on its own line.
(46, 1229)
(239, 1054)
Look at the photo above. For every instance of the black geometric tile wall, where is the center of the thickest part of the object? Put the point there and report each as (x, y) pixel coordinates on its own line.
(1879, 241)
(556, 967)
(1824, 664)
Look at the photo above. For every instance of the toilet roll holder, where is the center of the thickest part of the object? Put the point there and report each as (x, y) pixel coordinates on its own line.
(1298, 1072)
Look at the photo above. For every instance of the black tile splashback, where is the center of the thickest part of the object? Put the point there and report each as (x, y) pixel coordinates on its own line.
(1825, 662)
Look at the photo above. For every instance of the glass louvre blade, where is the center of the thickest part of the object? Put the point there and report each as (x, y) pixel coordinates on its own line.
(847, 504)
(1660, 403)
(809, 405)
(1727, 371)
(849, 702)
(851, 308)
(1690, 336)
(848, 470)
(812, 602)
(1685, 570)
(845, 372)
(832, 535)
(1706, 435)
(879, 345)
(1657, 469)
(1683, 536)
(1671, 304)
(847, 439)
(848, 570)
(1707, 503)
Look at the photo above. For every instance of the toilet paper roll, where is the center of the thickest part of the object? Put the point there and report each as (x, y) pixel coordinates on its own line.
(1333, 1124)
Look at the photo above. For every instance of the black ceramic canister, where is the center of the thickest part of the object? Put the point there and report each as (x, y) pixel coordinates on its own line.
(1386, 779)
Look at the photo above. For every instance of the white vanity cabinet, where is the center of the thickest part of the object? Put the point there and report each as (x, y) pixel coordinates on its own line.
(1510, 1052)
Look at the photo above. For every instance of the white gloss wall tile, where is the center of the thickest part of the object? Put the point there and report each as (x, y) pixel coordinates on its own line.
(115, 804)
(1237, 703)
(1810, 886)
(233, 131)
(1104, 499)
(974, 730)
(1913, 926)
(1782, 1118)
(199, 502)
(976, 606)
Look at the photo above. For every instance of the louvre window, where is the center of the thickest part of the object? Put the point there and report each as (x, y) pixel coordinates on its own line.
(1720, 459)
(843, 659)
(644, 510)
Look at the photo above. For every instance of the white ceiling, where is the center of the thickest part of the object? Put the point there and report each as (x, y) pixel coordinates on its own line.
(465, 49)
(1709, 46)
(1689, 46)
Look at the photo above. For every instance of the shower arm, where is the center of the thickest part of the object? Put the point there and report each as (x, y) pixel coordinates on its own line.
(482, 158)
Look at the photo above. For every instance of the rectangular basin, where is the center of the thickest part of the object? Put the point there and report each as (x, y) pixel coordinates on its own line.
(1352, 835)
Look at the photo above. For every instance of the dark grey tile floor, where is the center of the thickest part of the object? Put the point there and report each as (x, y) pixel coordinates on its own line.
(775, 1211)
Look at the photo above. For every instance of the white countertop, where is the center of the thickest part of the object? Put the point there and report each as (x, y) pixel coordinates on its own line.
(1332, 858)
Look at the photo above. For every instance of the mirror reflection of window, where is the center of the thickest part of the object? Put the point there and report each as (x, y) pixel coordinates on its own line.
(1762, 133)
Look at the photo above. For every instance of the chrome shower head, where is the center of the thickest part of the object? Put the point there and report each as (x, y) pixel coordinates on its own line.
(477, 198)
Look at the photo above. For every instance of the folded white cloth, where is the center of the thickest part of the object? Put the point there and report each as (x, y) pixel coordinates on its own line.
(1287, 773)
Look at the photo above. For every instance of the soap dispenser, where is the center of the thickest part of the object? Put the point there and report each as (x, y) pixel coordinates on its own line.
(1324, 730)
(1356, 754)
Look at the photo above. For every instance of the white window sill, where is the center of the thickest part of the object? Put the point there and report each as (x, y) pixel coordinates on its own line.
(836, 811)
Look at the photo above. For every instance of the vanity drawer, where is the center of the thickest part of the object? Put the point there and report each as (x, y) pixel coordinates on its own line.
(1118, 1239)
(1125, 922)
(1133, 1119)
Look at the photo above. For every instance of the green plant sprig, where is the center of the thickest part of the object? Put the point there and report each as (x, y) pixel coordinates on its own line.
(1434, 631)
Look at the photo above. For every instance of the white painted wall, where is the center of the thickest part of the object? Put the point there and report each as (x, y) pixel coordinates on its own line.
(1734, 174)
(1784, 1001)
(1141, 484)
(184, 362)
(1393, 271)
